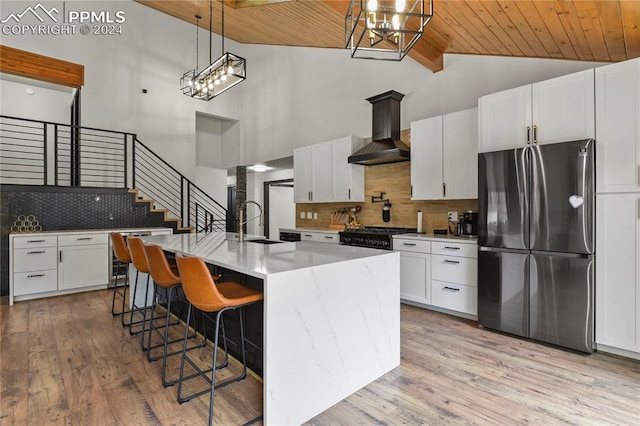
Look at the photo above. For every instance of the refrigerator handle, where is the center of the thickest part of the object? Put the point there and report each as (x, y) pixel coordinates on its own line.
(535, 134)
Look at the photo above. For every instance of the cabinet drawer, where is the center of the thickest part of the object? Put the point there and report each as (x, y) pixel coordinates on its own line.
(35, 259)
(82, 239)
(454, 249)
(405, 244)
(35, 241)
(35, 282)
(327, 238)
(456, 297)
(461, 270)
(307, 236)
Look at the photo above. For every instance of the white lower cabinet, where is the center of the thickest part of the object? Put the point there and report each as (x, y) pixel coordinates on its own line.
(320, 237)
(441, 274)
(49, 264)
(83, 260)
(617, 299)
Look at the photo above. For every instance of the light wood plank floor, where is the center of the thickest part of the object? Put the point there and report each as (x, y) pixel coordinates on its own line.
(65, 360)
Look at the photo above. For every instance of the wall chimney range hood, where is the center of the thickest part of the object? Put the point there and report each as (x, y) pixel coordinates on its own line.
(385, 146)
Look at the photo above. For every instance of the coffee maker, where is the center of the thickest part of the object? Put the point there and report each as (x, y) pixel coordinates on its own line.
(468, 225)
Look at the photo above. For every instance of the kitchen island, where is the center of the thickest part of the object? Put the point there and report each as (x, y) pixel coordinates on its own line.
(331, 318)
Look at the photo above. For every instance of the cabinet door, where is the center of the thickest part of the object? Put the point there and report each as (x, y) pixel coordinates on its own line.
(302, 164)
(426, 159)
(563, 108)
(348, 179)
(460, 154)
(321, 182)
(504, 118)
(415, 277)
(618, 127)
(83, 266)
(618, 271)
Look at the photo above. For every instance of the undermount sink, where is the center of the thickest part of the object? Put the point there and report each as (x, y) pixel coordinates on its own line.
(264, 241)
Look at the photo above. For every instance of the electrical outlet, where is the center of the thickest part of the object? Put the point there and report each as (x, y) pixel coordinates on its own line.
(301, 215)
(309, 215)
(315, 215)
(453, 216)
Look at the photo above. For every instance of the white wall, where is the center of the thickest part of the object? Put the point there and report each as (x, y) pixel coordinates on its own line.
(282, 210)
(46, 104)
(292, 97)
(213, 182)
(208, 141)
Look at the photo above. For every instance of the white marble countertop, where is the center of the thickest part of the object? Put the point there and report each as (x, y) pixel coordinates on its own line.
(259, 260)
(325, 230)
(88, 231)
(433, 237)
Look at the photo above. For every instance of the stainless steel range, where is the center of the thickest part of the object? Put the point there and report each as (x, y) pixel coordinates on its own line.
(379, 237)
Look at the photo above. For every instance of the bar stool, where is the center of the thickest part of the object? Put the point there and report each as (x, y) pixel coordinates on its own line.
(121, 252)
(204, 294)
(139, 260)
(165, 276)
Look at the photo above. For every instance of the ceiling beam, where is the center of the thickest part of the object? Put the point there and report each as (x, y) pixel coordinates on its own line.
(38, 67)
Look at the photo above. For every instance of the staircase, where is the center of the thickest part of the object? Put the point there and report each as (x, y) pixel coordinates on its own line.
(34, 152)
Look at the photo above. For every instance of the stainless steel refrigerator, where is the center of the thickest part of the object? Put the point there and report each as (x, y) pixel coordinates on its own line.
(536, 244)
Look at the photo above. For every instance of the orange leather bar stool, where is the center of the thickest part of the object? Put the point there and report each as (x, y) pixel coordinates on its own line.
(139, 260)
(165, 276)
(204, 294)
(121, 252)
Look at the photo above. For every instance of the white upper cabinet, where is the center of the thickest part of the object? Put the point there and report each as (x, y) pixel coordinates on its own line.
(321, 187)
(322, 172)
(618, 127)
(348, 179)
(556, 110)
(302, 164)
(426, 159)
(460, 154)
(504, 119)
(444, 160)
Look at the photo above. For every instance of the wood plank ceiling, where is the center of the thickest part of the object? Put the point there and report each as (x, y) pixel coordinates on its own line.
(586, 30)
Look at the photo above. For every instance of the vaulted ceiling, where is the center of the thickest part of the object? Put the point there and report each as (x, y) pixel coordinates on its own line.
(586, 30)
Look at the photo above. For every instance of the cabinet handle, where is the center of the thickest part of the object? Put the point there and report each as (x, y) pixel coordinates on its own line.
(60, 256)
(84, 238)
(35, 275)
(412, 190)
(35, 241)
(35, 252)
(328, 237)
(450, 288)
(528, 135)
(308, 235)
(451, 248)
(409, 244)
(535, 134)
(444, 190)
(349, 193)
(451, 261)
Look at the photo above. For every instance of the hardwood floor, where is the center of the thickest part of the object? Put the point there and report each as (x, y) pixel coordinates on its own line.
(65, 360)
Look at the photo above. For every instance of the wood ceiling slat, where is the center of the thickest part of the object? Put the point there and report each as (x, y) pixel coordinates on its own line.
(550, 19)
(571, 22)
(631, 27)
(611, 23)
(503, 20)
(522, 26)
(511, 40)
(469, 20)
(590, 22)
(529, 10)
(460, 41)
(38, 67)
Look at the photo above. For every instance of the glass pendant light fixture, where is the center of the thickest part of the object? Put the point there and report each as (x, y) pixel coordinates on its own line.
(221, 75)
(387, 30)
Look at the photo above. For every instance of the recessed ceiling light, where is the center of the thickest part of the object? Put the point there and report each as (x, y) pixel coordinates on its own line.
(259, 168)
(29, 91)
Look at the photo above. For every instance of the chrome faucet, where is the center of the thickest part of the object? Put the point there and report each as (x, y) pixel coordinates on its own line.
(242, 222)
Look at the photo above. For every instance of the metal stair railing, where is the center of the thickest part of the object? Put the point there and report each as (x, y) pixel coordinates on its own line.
(34, 152)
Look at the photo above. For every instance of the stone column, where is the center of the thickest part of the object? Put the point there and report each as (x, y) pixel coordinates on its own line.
(241, 190)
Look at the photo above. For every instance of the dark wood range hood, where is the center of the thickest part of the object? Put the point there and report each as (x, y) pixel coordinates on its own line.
(386, 146)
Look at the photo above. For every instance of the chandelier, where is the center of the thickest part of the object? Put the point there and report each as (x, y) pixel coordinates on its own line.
(221, 75)
(385, 30)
